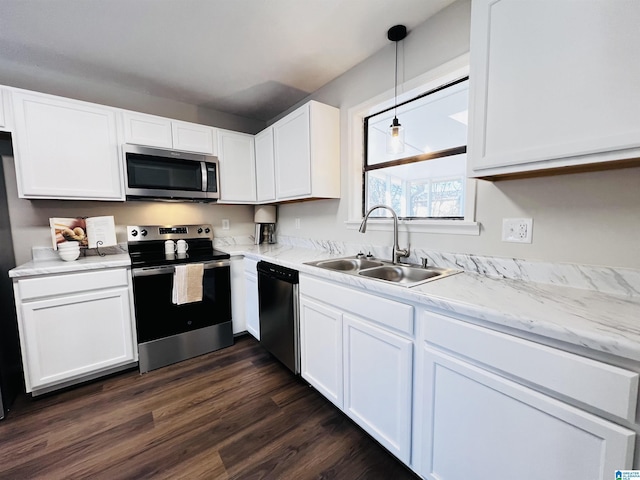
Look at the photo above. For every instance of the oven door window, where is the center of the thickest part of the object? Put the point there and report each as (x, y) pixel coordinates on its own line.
(145, 171)
(157, 317)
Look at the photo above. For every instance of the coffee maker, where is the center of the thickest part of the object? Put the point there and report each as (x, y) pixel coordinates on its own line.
(265, 219)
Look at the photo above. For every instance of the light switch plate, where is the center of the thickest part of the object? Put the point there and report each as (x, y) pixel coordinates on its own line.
(517, 230)
(225, 224)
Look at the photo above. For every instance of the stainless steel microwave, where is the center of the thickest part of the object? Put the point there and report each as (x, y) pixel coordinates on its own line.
(169, 175)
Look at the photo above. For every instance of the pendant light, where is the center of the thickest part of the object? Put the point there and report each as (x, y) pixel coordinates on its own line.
(395, 134)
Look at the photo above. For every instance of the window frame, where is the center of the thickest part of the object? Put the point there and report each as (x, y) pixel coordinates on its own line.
(447, 152)
(453, 70)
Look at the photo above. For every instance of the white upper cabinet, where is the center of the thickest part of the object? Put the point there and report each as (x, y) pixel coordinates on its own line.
(154, 131)
(148, 130)
(307, 153)
(192, 137)
(553, 84)
(65, 148)
(265, 167)
(236, 153)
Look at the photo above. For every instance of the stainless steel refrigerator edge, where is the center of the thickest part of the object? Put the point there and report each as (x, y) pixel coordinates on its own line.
(11, 377)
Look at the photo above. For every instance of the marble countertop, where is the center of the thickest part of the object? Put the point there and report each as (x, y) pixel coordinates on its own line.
(54, 264)
(600, 321)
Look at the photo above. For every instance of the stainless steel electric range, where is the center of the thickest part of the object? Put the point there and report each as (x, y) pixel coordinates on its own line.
(170, 332)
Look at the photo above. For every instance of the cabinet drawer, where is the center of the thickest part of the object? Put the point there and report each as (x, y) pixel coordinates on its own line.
(608, 388)
(71, 283)
(250, 266)
(395, 315)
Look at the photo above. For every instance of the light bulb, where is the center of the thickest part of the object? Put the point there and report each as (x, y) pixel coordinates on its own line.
(395, 137)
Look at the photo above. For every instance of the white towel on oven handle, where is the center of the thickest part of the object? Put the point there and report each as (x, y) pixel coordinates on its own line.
(187, 283)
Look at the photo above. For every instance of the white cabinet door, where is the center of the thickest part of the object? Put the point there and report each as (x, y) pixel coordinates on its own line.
(252, 312)
(265, 167)
(154, 131)
(192, 137)
(66, 149)
(148, 130)
(378, 380)
(293, 155)
(238, 296)
(236, 153)
(542, 99)
(307, 153)
(321, 349)
(71, 336)
(480, 425)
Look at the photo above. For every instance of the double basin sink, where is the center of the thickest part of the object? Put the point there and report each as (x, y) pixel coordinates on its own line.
(401, 274)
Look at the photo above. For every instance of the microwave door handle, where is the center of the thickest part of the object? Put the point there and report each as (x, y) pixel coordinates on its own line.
(203, 170)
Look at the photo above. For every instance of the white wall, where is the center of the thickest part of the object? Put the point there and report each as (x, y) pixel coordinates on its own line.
(587, 218)
(30, 218)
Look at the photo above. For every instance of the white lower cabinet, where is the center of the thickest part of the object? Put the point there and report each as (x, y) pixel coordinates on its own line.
(359, 362)
(321, 349)
(238, 295)
(74, 326)
(378, 383)
(251, 299)
(478, 417)
(457, 400)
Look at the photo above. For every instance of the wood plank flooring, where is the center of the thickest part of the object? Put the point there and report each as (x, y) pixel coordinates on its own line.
(232, 414)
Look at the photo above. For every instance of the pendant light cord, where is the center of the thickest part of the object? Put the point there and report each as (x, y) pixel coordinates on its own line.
(395, 90)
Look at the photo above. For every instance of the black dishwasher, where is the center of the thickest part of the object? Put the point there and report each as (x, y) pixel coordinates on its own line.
(278, 312)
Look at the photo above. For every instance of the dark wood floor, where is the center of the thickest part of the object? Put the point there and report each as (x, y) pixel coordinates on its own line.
(232, 414)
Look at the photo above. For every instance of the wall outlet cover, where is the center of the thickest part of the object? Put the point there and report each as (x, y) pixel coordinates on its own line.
(225, 224)
(517, 230)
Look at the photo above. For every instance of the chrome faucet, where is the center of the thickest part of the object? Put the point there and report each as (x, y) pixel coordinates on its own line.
(397, 251)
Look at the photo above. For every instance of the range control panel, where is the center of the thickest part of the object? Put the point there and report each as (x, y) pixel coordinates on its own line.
(142, 233)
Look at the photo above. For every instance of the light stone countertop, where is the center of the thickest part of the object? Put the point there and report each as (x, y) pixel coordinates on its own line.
(597, 320)
(54, 264)
(600, 321)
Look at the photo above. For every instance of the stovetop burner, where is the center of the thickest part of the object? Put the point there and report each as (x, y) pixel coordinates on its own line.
(146, 245)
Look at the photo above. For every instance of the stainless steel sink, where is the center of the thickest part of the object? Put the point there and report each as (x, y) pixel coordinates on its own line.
(406, 275)
(348, 264)
(401, 273)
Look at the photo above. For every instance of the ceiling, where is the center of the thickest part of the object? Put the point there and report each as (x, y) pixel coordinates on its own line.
(254, 58)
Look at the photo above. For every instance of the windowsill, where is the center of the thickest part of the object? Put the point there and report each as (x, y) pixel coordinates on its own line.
(448, 227)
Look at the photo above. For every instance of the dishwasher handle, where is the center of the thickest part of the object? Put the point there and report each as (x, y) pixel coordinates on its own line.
(278, 272)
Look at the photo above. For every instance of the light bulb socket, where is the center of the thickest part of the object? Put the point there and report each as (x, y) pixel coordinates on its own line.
(397, 33)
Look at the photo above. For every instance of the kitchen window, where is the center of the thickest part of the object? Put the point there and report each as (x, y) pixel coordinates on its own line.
(428, 179)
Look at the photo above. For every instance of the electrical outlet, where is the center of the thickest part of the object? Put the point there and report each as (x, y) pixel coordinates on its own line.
(225, 224)
(518, 230)
(297, 223)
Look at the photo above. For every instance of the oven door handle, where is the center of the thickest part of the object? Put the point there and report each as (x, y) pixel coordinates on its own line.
(169, 269)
